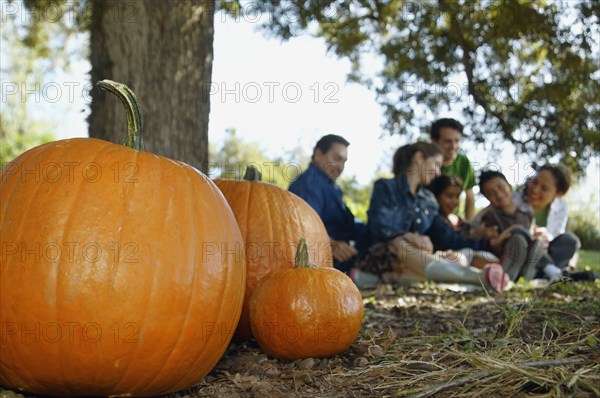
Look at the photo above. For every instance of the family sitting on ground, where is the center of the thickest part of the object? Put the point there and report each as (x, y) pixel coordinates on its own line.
(414, 234)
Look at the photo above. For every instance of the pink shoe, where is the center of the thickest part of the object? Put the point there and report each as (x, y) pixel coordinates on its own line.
(495, 277)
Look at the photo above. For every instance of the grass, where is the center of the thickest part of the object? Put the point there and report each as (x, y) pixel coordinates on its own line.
(589, 258)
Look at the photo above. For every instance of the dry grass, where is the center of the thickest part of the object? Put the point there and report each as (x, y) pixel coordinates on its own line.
(431, 342)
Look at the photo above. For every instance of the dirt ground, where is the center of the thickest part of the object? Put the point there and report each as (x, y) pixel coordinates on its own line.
(429, 341)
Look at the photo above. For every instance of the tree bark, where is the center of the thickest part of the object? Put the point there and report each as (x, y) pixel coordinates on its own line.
(162, 50)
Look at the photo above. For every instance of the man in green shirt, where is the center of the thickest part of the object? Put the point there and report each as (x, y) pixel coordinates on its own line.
(447, 134)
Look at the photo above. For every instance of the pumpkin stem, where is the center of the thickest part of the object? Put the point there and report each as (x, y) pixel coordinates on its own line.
(134, 113)
(302, 260)
(252, 174)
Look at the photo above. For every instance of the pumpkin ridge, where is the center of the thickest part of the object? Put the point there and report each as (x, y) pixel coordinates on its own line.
(19, 233)
(134, 354)
(236, 190)
(250, 212)
(296, 215)
(5, 203)
(128, 190)
(192, 213)
(248, 194)
(107, 146)
(58, 273)
(239, 309)
(292, 211)
(199, 354)
(274, 230)
(215, 192)
(270, 233)
(253, 190)
(33, 151)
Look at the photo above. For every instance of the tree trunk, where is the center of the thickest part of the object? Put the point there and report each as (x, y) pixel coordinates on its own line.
(162, 50)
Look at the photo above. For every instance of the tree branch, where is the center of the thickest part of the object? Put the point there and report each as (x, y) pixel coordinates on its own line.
(468, 53)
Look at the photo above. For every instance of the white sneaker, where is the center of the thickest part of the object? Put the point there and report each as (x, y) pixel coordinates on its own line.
(553, 273)
(364, 280)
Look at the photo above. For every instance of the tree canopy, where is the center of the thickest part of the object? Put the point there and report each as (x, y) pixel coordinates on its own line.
(523, 71)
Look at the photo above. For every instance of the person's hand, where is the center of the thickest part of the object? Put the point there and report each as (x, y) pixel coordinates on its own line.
(342, 251)
(421, 242)
(542, 233)
(499, 240)
(486, 232)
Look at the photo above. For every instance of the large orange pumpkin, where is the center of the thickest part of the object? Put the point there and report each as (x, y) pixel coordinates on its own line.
(272, 220)
(306, 311)
(122, 272)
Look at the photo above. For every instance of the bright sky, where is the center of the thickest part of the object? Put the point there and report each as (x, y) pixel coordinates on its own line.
(292, 93)
(285, 94)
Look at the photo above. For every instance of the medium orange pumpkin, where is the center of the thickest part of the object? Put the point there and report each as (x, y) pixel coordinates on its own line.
(271, 220)
(306, 311)
(113, 276)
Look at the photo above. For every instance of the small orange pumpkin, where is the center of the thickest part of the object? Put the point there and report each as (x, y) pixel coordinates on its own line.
(271, 220)
(305, 312)
(113, 279)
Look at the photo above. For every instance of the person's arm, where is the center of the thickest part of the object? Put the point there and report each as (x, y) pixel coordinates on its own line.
(479, 226)
(445, 238)
(490, 220)
(469, 205)
(386, 218)
(342, 251)
(485, 231)
(495, 245)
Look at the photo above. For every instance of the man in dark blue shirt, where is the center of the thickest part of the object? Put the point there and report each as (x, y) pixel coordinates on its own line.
(317, 186)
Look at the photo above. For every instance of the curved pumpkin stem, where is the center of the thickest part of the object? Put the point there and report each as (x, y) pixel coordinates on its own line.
(302, 260)
(252, 174)
(134, 113)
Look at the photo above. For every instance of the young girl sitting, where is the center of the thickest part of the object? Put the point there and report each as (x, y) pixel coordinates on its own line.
(447, 190)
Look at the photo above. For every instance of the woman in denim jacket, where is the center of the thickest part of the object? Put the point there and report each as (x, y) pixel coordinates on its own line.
(406, 228)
